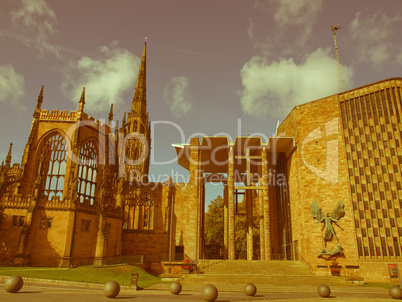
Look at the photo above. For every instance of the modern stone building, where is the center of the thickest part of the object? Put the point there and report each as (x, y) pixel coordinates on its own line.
(81, 194)
(348, 149)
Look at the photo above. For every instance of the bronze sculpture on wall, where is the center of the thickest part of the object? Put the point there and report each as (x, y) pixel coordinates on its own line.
(328, 220)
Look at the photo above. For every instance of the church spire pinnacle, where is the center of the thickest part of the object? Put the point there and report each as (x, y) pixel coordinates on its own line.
(123, 123)
(40, 99)
(8, 158)
(140, 94)
(111, 114)
(82, 100)
(38, 104)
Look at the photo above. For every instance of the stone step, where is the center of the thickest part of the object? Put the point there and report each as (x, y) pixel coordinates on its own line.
(258, 279)
(268, 276)
(236, 284)
(273, 268)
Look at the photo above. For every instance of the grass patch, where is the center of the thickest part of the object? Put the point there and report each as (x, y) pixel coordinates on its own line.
(384, 285)
(90, 274)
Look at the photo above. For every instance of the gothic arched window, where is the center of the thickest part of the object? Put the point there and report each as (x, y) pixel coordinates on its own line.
(139, 210)
(57, 161)
(125, 225)
(87, 172)
(135, 126)
(149, 208)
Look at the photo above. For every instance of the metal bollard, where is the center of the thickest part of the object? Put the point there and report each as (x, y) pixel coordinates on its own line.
(134, 280)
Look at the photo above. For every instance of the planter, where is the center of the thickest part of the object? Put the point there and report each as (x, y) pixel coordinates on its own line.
(335, 270)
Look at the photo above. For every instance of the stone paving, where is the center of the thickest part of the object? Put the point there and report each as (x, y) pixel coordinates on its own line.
(32, 292)
(289, 283)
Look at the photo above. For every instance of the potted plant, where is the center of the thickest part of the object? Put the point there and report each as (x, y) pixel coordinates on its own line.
(335, 267)
(185, 267)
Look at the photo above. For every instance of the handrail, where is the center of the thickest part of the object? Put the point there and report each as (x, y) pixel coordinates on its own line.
(306, 263)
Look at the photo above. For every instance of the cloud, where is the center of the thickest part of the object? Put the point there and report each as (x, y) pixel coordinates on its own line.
(372, 33)
(105, 78)
(291, 23)
(273, 89)
(399, 58)
(251, 29)
(39, 21)
(300, 13)
(178, 96)
(12, 87)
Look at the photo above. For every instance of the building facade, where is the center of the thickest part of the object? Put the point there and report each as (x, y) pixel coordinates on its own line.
(348, 149)
(327, 185)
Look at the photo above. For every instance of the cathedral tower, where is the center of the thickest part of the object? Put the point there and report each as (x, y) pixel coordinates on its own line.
(137, 130)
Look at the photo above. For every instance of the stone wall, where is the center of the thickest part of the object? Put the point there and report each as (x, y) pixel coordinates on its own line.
(318, 172)
(149, 243)
(47, 244)
(85, 236)
(10, 234)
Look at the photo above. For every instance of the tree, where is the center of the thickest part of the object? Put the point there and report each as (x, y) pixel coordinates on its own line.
(241, 232)
(214, 222)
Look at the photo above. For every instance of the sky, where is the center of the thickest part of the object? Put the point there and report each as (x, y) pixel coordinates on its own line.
(224, 67)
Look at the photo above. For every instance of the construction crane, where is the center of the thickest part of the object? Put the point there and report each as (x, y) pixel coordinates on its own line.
(334, 28)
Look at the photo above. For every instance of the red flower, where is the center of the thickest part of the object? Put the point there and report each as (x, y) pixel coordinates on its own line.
(186, 261)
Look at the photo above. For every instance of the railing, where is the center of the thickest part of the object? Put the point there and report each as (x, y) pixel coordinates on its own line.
(352, 273)
(306, 263)
(205, 264)
(280, 257)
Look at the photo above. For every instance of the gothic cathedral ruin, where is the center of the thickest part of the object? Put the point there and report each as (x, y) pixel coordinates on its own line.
(81, 194)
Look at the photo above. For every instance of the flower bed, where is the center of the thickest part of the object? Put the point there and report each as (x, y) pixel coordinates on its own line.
(335, 267)
(186, 267)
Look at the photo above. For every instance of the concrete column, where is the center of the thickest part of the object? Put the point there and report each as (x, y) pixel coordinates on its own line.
(169, 219)
(261, 216)
(201, 216)
(231, 209)
(225, 223)
(265, 198)
(249, 221)
(191, 237)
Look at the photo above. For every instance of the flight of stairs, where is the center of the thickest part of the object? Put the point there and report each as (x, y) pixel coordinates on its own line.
(271, 276)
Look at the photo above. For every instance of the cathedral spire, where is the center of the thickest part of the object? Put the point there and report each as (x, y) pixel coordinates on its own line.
(140, 94)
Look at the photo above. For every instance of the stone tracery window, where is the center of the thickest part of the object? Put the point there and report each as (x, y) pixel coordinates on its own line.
(139, 211)
(135, 126)
(149, 207)
(57, 161)
(87, 172)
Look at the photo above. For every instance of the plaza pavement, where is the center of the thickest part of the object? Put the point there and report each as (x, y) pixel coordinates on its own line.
(275, 281)
(40, 292)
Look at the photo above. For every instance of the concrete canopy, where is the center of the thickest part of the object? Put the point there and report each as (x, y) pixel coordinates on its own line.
(214, 152)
